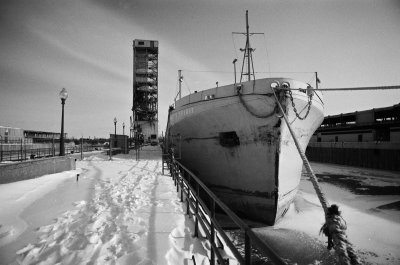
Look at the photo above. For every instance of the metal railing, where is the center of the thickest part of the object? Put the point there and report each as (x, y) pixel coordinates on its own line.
(192, 186)
(25, 153)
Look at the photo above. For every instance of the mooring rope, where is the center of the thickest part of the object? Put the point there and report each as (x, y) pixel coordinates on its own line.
(352, 88)
(251, 111)
(347, 254)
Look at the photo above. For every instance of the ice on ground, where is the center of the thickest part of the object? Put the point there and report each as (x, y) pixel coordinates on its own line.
(370, 229)
(369, 177)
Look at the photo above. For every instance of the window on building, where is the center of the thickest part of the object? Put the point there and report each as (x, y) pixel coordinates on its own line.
(360, 137)
(382, 135)
(336, 138)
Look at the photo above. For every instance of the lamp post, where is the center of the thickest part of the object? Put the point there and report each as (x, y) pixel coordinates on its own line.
(123, 128)
(115, 132)
(63, 97)
(115, 127)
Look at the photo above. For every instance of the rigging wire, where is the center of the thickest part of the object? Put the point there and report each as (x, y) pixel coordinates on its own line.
(230, 72)
(266, 50)
(176, 89)
(360, 88)
(234, 46)
(187, 86)
(319, 89)
(206, 71)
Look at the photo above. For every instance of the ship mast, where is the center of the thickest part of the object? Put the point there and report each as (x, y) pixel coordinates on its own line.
(247, 52)
(248, 46)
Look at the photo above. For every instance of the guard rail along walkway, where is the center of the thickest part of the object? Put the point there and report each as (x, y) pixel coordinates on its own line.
(204, 215)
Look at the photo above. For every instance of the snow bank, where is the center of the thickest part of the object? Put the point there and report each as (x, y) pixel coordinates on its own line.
(17, 196)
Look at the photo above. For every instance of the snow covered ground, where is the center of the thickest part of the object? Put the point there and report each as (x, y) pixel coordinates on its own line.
(126, 212)
(131, 215)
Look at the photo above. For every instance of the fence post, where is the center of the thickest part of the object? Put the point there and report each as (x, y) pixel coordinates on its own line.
(25, 148)
(247, 248)
(175, 177)
(187, 204)
(188, 196)
(181, 183)
(81, 148)
(196, 226)
(212, 239)
(21, 149)
(110, 146)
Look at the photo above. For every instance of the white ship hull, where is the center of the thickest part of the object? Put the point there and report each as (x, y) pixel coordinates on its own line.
(241, 147)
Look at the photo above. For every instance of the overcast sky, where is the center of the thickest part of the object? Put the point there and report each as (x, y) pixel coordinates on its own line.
(86, 47)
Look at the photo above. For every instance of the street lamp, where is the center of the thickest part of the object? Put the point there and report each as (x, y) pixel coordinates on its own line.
(123, 128)
(115, 132)
(115, 127)
(63, 97)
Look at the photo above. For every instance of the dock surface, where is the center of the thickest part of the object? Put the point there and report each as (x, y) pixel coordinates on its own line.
(127, 218)
(125, 211)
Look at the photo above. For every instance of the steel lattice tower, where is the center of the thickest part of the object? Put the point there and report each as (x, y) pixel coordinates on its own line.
(145, 88)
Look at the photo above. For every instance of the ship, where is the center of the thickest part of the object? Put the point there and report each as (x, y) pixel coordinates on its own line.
(234, 138)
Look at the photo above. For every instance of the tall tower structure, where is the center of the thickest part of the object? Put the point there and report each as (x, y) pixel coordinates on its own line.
(145, 88)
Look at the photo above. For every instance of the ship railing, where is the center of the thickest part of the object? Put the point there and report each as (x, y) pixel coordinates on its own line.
(204, 210)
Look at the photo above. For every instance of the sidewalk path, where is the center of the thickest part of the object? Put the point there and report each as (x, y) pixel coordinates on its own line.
(128, 221)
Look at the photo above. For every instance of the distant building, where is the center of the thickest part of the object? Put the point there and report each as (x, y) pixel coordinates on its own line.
(374, 125)
(369, 138)
(41, 136)
(145, 88)
(10, 135)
